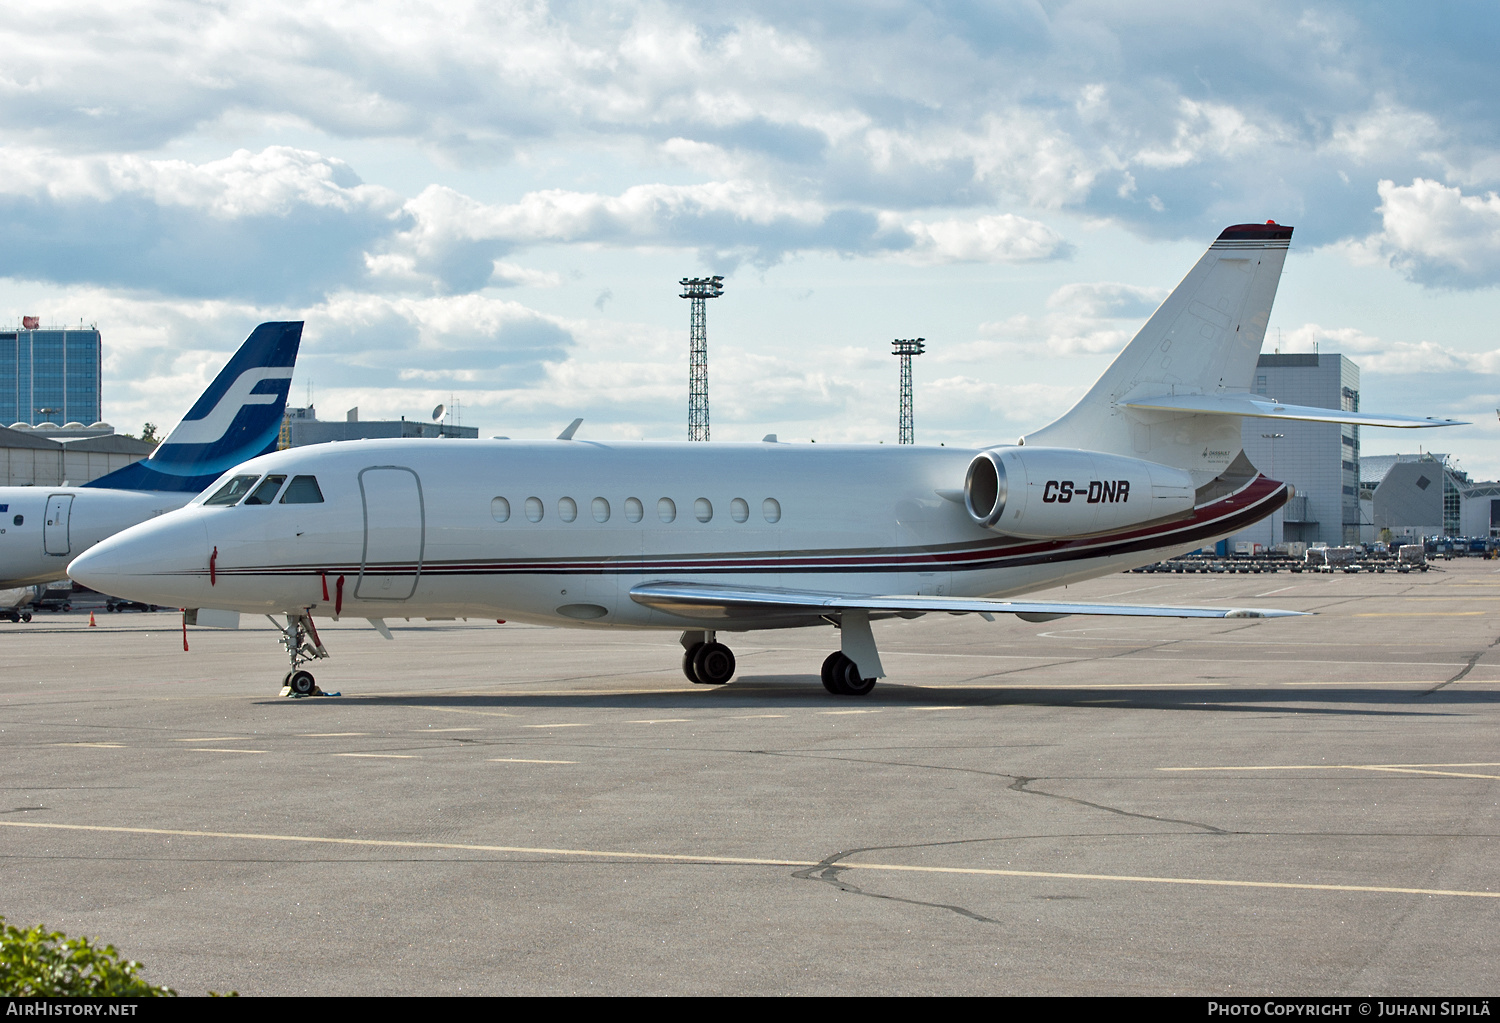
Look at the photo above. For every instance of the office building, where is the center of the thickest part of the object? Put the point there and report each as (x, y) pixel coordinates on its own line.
(301, 426)
(50, 375)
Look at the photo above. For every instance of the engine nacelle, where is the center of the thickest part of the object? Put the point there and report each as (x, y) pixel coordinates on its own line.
(1055, 493)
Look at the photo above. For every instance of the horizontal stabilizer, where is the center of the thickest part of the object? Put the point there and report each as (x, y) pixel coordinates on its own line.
(705, 600)
(1260, 407)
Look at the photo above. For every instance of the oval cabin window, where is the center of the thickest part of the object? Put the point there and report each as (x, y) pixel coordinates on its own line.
(771, 509)
(500, 509)
(702, 510)
(666, 509)
(739, 510)
(534, 509)
(601, 510)
(567, 509)
(634, 512)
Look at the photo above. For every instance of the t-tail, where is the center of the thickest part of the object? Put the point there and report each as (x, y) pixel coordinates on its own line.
(236, 419)
(1178, 392)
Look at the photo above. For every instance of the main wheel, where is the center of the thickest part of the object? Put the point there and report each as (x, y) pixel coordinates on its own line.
(302, 683)
(853, 685)
(713, 664)
(687, 663)
(26, 616)
(833, 672)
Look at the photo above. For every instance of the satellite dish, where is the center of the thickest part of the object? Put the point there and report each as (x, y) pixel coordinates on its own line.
(437, 413)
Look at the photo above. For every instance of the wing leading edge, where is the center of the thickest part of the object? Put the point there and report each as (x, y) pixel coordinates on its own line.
(709, 601)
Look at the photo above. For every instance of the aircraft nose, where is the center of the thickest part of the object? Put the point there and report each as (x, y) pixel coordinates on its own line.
(162, 561)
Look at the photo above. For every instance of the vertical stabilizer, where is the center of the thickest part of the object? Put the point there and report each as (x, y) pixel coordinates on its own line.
(236, 419)
(1204, 339)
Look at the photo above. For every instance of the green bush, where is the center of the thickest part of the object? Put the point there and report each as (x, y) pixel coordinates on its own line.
(39, 963)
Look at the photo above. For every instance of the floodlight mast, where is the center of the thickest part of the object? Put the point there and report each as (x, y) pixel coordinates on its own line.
(698, 289)
(904, 350)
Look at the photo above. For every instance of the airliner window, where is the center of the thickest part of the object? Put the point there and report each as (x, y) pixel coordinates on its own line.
(703, 510)
(633, 510)
(303, 490)
(500, 509)
(771, 509)
(567, 509)
(231, 492)
(601, 510)
(266, 492)
(739, 510)
(534, 509)
(666, 509)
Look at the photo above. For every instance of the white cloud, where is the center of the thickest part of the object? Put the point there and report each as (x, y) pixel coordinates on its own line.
(1396, 358)
(1005, 238)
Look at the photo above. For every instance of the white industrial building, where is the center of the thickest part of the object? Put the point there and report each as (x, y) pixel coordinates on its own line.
(71, 455)
(1320, 460)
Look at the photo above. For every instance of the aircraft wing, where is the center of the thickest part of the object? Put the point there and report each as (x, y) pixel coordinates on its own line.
(1260, 407)
(708, 601)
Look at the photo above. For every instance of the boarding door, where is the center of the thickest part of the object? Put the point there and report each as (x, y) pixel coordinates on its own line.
(55, 525)
(395, 533)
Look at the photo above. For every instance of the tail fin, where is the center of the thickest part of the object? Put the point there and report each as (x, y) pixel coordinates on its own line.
(1204, 339)
(237, 418)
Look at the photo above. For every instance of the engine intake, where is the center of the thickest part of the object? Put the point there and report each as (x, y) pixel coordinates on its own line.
(1054, 493)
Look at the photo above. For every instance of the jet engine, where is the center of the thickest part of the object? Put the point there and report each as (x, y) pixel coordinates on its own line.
(1055, 493)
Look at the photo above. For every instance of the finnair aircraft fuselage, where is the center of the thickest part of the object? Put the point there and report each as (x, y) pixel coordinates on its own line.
(563, 532)
(43, 528)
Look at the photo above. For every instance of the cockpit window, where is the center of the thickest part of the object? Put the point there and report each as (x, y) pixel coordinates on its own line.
(266, 492)
(232, 491)
(302, 490)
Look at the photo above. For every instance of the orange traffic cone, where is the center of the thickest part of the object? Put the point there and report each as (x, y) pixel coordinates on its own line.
(92, 624)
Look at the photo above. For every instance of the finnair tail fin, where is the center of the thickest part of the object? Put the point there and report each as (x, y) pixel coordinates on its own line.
(237, 418)
(1203, 340)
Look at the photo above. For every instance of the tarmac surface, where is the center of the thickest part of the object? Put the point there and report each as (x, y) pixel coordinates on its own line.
(1086, 806)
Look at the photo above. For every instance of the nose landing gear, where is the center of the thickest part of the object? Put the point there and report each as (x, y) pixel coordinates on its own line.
(300, 638)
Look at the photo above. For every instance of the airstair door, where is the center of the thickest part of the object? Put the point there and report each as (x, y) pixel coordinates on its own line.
(55, 525)
(395, 533)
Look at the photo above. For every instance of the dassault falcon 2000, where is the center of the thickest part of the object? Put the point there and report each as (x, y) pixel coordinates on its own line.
(705, 539)
(237, 417)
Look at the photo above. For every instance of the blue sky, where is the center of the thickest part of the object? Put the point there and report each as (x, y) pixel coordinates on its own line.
(493, 202)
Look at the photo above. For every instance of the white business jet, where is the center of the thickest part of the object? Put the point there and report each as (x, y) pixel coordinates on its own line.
(238, 417)
(705, 539)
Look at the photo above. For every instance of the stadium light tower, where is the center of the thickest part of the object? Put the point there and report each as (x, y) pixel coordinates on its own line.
(904, 350)
(698, 289)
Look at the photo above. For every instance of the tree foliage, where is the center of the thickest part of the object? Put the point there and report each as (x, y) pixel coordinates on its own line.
(36, 962)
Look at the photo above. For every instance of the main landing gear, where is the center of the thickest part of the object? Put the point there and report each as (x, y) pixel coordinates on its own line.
(706, 662)
(300, 638)
(841, 676)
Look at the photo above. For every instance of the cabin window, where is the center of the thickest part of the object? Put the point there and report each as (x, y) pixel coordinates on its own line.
(666, 509)
(771, 509)
(534, 509)
(703, 510)
(266, 492)
(231, 492)
(302, 490)
(567, 509)
(18, 519)
(601, 510)
(739, 510)
(633, 510)
(500, 510)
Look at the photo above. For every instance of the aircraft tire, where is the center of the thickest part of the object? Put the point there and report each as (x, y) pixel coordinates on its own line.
(853, 685)
(302, 683)
(687, 663)
(832, 671)
(713, 664)
(26, 617)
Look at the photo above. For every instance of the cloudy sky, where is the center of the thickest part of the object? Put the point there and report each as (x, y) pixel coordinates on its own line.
(492, 202)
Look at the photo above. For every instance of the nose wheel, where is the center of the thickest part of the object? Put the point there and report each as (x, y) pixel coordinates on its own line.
(300, 638)
(841, 676)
